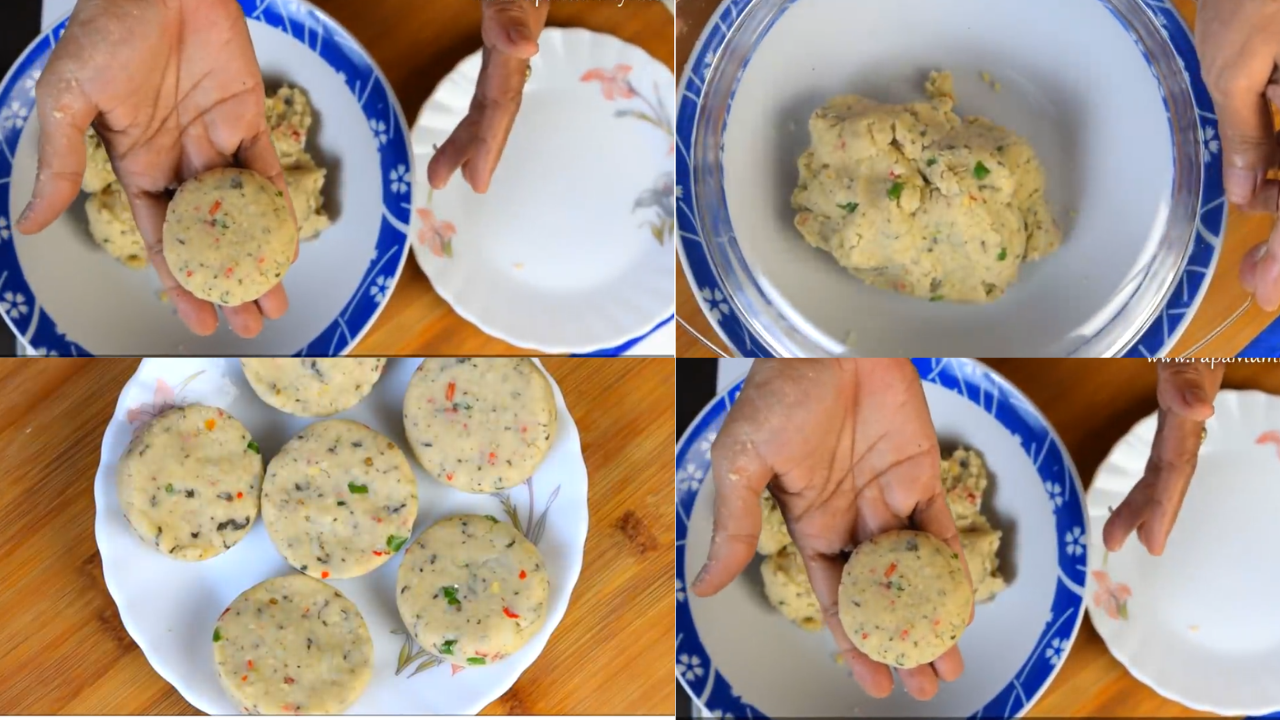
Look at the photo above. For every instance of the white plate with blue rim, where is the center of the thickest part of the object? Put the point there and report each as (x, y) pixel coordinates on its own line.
(569, 251)
(738, 657)
(61, 295)
(170, 607)
(1198, 624)
(1141, 237)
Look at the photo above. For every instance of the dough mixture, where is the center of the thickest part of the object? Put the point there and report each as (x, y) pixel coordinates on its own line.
(472, 589)
(480, 424)
(786, 585)
(339, 500)
(189, 482)
(773, 529)
(293, 645)
(914, 199)
(312, 387)
(289, 116)
(965, 478)
(904, 598)
(228, 236)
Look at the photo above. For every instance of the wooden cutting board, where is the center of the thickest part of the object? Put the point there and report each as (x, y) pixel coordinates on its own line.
(63, 649)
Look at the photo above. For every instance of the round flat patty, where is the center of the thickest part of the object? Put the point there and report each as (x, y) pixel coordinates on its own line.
(472, 589)
(339, 499)
(904, 598)
(312, 387)
(189, 482)
(293, 644)
(480, 425)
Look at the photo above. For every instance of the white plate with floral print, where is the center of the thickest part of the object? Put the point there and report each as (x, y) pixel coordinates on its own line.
(169, 607)
(1198, 624)
(571, 249)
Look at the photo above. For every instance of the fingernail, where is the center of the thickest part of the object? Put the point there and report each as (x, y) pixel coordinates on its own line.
(26, 213)
(702, 575)
(1240, 184)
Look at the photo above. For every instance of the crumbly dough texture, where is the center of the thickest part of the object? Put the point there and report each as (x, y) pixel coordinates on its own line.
(786, 585)
(98, 173)
(480, 424)
(112, 227)
(189, 482)
(312, 387)
(904, 598)
(293, 645)
(914, 199)
(965, 478)
(339, 500)
(228, 236)
(773, 528)
(472, 590)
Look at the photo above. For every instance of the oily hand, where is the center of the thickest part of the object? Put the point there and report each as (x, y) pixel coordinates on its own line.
(174, 89)
(1239, 47)
(1186, 392)
(510, 30)
(848, 449)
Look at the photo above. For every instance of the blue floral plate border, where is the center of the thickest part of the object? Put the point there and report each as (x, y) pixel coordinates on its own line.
(737, 332)
(321, 35)
(996, 396)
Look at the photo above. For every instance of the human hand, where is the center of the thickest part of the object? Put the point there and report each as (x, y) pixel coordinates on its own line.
(1239, 47)
(510, 30)
(1186, 391)
(174, 89)
(851, 452)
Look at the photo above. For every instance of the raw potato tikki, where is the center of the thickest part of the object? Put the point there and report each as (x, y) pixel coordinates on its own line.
(228, 236)
(479, 425)
(339, 500)
(904, 598)
(112, 227)
(914, 199)
(293, 645)
(309, 387)
(189, 482)
(786, 584)
(965, 478)
(472, 590)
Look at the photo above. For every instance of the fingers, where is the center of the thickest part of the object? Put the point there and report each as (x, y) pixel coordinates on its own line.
(934, 517)
(1189, 388)
(259, 155)
(824, 577)
(1245, 123)
(275, 303)
(740, 475)
(149, 210)
(513, 26)
(450, 156)
(65, 113)
(920, 682)
(476, 144)
(951, 665)
(1152, 506)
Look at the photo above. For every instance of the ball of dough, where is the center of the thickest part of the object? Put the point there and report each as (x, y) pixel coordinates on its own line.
(312, 387)
(339, 500)
(472, 590)
(904, 598)
(479, 424)
(773, 528)
(112, 227)
(786, 584)
(189, 482)
(913, 199)
(293, 645)
(229, 236)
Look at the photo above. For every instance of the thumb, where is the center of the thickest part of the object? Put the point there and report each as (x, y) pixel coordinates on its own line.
(513, 26)
(1188, 389)
(740, 474)
(1248, 140)
(65, 113)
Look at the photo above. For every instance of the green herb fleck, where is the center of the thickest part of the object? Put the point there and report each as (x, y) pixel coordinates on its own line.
(447, 647)
(169, 488)
(254, 447)
(999, 148)
(491, 518)
(895, 191)
(931, 161)
(395, 542)
(980, 171)
(358, 489)
(451, 594)
(1003, 254)
(217, 634)
(475, 661)
(936, 298)
(461, 405)
(342, 503)
(848, 207)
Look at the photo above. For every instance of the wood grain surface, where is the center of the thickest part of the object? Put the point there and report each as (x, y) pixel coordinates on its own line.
(63, 649)
(417, 43)
(1222, 301)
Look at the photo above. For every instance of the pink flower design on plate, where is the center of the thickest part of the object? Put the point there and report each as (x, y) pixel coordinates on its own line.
(436, 234)
(613, 83)
(163, 400)
(1111, 598)
(1270, 437)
